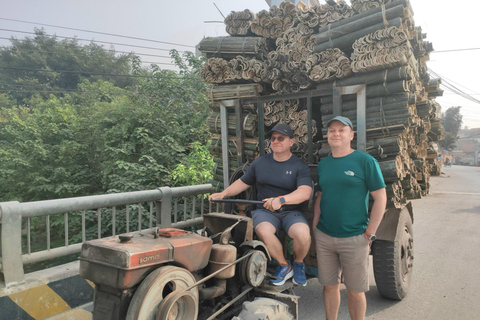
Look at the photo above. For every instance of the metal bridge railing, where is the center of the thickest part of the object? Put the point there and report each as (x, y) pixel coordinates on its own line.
(97, 216)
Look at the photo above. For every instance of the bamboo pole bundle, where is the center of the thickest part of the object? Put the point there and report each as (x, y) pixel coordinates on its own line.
(296, 43)
(218, 70)
(357, 22)
(392, 170)
(234, 91)
(213, 71)
(238, 22)
(348, 104)
(365, 5)
(309, 17)
(249, 124)
(383, 49)
(412, 191)
(230, 47)
(241, 68)
(345, 42)
(321, 15)
(327, 65)
(394, 195)
(329, 13)
(272, 23)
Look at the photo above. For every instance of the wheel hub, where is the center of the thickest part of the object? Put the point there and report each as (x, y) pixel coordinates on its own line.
(180, 304)
(407, 253)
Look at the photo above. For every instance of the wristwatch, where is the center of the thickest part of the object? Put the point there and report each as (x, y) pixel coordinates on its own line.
(372, 237)
(282, 200)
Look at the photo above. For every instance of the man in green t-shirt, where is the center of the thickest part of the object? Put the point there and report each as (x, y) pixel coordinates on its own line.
(342, 227)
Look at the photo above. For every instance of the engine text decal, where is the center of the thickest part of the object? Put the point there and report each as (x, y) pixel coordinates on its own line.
(149, 258)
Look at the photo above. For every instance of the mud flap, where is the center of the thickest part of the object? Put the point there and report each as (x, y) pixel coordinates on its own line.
(387, 230)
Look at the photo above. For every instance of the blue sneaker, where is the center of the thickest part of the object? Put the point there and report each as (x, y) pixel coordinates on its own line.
(299, 274)
(282, 274)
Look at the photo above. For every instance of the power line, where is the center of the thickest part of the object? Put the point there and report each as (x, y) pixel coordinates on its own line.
(97, 74)
(116, 51)
(445, 83)
(94, 41)
(454, 50)
(98, 32)
(93, 73)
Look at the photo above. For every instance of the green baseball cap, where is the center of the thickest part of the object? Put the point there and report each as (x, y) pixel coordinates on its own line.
(343, 120)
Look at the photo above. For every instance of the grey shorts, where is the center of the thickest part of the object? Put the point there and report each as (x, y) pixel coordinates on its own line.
(342, 255)
(280, 220)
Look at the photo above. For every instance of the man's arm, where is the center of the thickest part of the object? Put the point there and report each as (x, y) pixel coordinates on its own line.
(316, 210)
(378, 209)
(301, 194)
(235, 188)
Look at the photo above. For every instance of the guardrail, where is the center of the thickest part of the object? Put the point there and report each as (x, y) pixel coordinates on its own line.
(161, 204)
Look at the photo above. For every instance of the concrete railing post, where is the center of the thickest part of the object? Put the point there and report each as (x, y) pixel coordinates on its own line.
(11, 267)
(164, 211)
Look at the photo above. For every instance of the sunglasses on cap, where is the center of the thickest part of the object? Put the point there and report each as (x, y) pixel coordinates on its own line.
(279, 138)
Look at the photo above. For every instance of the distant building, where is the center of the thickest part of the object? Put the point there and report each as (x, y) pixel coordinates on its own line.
(467, 147)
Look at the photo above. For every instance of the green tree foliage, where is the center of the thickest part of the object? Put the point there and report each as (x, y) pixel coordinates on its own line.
(452, 122)
(100, 137)
(69, 128)
(197, 167)
(43, 65)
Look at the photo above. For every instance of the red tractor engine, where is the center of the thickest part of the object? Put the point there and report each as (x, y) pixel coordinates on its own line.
(118, 265)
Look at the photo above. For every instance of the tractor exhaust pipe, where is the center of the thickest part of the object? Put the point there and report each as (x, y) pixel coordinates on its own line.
(212, 292)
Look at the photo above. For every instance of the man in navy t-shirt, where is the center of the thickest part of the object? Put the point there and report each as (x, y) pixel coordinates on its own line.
(283, 181)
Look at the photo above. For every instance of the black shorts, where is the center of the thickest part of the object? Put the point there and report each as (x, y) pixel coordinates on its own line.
(280, 220)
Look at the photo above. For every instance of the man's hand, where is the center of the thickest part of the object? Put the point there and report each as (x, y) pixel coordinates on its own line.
(216, 196)
(272, 204)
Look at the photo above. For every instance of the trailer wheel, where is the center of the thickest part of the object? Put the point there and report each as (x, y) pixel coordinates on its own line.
(264, 308)
(393, 260)
(159, 284)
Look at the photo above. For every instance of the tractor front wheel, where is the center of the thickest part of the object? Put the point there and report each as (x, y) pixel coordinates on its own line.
(156, 287)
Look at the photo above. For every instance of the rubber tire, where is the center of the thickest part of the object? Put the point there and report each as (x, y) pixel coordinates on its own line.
(155, 287)
(264, 308)
(390, 260)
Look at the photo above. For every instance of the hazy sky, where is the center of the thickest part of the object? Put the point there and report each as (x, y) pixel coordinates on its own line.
(449, 25)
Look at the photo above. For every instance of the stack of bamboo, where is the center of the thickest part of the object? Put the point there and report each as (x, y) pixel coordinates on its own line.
(365, 5)
(293, 113)
(231, 47)
(273, 23)
(238, 23)
(218, 70)
(374, 42)
(342, 34)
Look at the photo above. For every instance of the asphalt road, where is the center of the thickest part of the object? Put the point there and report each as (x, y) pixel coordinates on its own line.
(446, 272)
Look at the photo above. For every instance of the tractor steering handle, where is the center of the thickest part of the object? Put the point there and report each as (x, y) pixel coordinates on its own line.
(244, 201)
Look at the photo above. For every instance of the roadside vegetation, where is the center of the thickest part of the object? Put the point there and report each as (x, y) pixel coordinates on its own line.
(78, 120)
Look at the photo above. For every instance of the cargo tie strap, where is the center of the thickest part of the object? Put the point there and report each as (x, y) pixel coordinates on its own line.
(383, 119)
(385, 82)
(330, 37)
(245, 120)
(219, 47)
(384, 14)
(216, 120)
(243, 46)
(211, 93)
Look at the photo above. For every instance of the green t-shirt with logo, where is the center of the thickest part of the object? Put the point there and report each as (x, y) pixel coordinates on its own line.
(345, 183)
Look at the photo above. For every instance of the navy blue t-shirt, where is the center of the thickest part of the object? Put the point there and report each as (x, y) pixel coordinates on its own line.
(274, 178)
